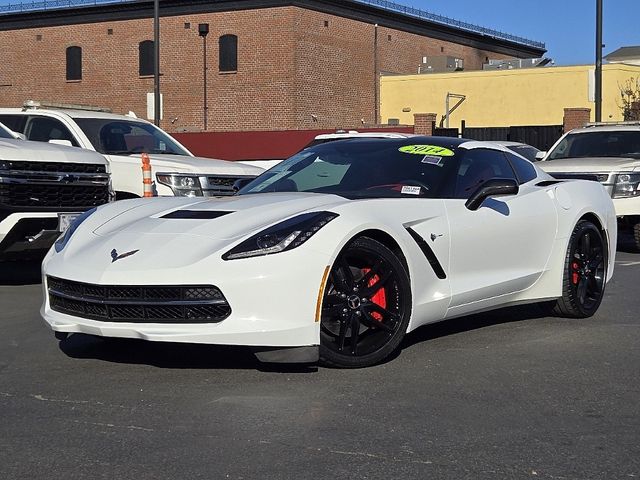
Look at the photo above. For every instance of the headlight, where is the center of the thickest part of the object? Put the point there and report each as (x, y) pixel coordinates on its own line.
(627, 185)
(66, 236)
(284, 236)
(182, 185)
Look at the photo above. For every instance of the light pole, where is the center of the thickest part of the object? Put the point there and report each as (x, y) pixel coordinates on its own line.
(598, 92)
(156, 62)
(203, 31)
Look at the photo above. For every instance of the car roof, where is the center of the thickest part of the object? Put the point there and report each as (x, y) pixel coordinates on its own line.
(614, 127)
(356, 134)
(72, 113)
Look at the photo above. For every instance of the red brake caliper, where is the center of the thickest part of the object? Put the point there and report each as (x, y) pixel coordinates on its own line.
(575, 278)
(379, 298)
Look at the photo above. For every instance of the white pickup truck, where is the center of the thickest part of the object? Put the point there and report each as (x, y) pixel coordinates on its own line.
(122, 139)
(608, 153)
(43, 188)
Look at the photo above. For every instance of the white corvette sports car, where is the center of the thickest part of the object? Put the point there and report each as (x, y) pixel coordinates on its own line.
(337, 252)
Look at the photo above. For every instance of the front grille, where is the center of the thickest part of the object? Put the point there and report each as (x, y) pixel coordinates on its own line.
(54, 167)
(52, 195)
(138, 304)
(220, 186)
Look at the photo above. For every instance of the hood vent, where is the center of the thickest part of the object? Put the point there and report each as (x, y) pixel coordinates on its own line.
(196, 214)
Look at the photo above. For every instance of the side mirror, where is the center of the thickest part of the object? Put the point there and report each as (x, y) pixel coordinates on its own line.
(19, 135)
(540, 155)
(56, 141)
(494, 187)
(240, 183)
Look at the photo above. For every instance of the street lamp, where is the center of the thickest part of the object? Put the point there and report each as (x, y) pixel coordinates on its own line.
(203, 31)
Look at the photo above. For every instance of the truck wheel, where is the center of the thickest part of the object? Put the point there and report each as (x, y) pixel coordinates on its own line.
(636, 235)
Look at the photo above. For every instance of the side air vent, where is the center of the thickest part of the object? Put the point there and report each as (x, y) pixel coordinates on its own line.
(428, 253)
(195, 214)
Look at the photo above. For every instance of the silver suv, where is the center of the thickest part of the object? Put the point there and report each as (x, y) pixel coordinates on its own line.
(608, 153)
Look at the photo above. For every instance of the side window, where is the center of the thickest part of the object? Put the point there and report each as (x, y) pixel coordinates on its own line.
(43, 129)
(74, 63)
(523, 168)
(145, 58)
(479, 165)
(228, 50)
(14, 122)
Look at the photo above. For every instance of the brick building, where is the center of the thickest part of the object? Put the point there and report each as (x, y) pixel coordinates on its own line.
(272, 64)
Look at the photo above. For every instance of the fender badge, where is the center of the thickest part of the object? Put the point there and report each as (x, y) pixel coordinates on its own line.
(115, 256)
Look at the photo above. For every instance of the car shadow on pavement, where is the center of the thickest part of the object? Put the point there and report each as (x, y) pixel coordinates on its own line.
(170, 355)
(473, 322)
(20, 273)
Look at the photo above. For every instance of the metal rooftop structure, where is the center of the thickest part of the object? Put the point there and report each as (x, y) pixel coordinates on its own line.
(34, 6)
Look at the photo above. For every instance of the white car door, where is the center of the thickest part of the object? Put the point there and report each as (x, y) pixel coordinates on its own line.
(503, 246)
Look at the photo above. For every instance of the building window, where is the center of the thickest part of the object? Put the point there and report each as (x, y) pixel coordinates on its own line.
(187, 25)
(109, 31)
(228, 45)
(38, 38)
(74, 63)
(145, 58)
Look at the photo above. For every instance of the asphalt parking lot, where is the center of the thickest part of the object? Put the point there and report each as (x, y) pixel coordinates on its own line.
(507, 394)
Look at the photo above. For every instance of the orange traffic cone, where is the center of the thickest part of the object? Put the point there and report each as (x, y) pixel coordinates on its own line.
(147, 182)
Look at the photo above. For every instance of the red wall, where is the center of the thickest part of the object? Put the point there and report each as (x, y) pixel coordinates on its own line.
(257, 145)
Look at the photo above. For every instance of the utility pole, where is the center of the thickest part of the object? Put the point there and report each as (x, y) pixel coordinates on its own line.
(598, 95)
(156, 62)
(203, 31)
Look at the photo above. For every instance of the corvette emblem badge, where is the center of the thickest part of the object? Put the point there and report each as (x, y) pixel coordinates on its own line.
(115, 256)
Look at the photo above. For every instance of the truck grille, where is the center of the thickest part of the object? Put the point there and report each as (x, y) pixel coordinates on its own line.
(25, 195)
(216, 186)
(58, 167)
(51, 185)
(138, 304)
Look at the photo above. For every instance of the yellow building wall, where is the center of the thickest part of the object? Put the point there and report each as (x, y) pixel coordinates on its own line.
(499, 98)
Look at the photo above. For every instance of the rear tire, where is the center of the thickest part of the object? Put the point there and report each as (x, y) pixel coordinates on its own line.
(366, 306)
(585, 273)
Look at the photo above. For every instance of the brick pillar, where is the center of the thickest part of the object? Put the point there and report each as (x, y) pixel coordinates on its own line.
(423, 123)
(576, 117)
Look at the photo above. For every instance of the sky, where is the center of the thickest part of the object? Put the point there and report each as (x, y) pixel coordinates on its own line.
(567, 27)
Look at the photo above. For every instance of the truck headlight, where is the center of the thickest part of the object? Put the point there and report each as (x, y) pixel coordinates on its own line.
(627, 185)
(181, 184)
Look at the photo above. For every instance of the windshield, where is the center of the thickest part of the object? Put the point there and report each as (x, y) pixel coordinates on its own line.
(5, 133)
(366, 168)
(620, 143)
(125, 137)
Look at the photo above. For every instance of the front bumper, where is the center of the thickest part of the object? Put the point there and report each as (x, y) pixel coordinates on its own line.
(273, 299)
(627, 206)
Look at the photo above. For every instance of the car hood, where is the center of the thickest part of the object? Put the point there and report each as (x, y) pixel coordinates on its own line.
(216, 218)
(25, 150)
(589, 164)
(143, 232)
(169, 163)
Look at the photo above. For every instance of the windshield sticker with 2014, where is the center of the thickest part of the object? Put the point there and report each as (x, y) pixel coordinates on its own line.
(427, 150)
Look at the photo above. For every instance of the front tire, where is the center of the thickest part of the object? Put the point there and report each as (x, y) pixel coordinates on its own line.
(366, 306)
(585, 273)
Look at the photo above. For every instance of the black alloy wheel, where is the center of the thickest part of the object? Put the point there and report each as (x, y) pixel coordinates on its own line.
(366, 306)
(585, 273)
